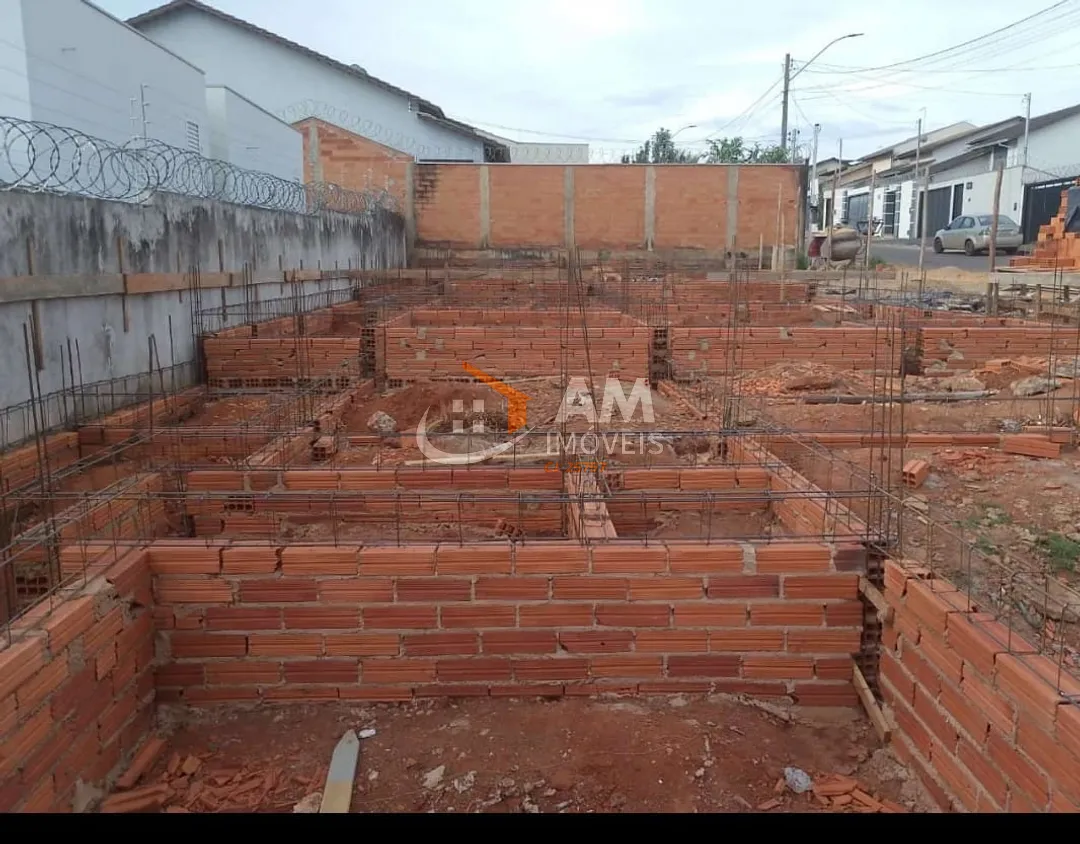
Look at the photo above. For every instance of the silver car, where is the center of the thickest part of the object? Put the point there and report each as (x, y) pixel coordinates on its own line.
(972, 234)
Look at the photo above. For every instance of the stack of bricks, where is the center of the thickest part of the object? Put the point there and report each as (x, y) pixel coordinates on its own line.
(987, 723)
(1055, 248)
(248, 622)
(76, 686)
(515, 343)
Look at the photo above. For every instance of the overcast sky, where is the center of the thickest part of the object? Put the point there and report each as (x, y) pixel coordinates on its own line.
(611, 71)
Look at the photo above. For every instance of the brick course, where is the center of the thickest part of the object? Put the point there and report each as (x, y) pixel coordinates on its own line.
(493, 618)
(988, 724)
(76, 686)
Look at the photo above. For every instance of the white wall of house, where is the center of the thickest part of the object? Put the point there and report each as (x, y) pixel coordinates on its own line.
(288, 83)
(247, 136)
(548, 153)
(14, 78)
(1054, 149)
(84, 69)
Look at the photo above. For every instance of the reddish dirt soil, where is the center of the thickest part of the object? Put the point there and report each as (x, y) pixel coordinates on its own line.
(234, 410)
(674, 754)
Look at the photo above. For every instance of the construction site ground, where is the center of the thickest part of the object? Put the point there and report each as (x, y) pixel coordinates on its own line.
(671, 754)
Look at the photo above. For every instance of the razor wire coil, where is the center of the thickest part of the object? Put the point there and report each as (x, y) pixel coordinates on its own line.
(38, 156)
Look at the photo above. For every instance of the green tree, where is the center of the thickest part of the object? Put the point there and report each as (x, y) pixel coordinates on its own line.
(736, 151)
(660, 149)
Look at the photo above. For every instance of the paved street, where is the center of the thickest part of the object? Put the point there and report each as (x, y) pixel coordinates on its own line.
(904, 254)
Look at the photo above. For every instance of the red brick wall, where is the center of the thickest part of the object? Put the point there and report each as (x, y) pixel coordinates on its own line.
(763, 190)
(76, 686)
(981, 717)
(446, 201)
(276, 358)
(692, 207)
(254, 622)
(844, 347)
(515, 343)
(527, 205)
(609, 206)
(353, 161)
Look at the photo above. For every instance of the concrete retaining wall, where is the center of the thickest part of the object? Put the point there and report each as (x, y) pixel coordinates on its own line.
(110, 274)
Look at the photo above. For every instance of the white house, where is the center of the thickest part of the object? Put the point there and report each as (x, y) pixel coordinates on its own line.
(69, 63)
(893, 200)
(1037, 158)
(248, 136)
(73, 65)
(543, 153)
(294, 83)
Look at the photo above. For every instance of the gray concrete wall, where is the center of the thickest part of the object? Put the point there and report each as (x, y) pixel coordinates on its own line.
(76, 248)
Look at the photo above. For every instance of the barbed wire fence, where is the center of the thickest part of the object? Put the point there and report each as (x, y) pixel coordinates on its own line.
(37, 156)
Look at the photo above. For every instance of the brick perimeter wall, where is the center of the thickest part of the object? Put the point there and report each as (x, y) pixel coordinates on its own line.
(526, 205)
(980, 722)
(254, 622)
(76, 687)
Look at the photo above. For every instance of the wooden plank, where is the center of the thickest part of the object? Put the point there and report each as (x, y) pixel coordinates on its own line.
(874, 596)
(23, 288)
(870, 704)
(337, 796)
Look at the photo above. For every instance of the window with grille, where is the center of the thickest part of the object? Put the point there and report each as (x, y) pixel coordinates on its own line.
(193, 140)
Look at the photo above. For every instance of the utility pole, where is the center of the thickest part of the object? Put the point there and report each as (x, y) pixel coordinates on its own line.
(925, 214)
(994, 221)
(784, 107)
(918, 156)
(813, 170)
(1027, 132)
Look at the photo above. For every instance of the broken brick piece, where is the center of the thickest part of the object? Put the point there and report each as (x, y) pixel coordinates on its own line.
(142, 762)
(149, 798)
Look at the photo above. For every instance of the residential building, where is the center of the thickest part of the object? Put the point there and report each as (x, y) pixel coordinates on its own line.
(295, 83)
(248, 136)
(73, 65)
(542, 153)
(893, 200)
(956, 172)
(69, 63)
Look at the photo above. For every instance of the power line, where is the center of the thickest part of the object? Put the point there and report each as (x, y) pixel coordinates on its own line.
(747, 112)
(1008, 28)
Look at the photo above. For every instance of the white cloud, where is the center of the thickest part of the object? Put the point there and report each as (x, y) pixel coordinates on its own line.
(618, 69)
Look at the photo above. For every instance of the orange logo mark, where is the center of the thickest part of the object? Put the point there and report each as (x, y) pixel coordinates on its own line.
(516, 401)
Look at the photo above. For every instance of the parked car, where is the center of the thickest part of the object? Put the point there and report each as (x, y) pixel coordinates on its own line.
(972, 234)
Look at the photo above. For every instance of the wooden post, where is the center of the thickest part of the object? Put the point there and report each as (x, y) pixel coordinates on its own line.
(776, 239)
(994, 219)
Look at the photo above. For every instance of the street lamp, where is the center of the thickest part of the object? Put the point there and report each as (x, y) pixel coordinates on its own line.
(684, 128)
(788, 76)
